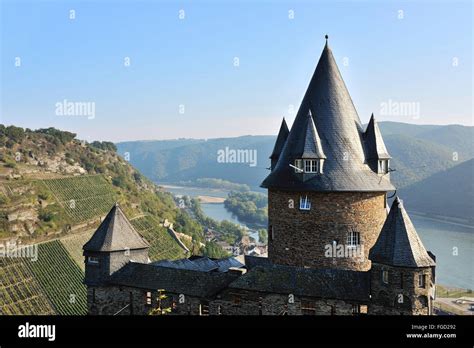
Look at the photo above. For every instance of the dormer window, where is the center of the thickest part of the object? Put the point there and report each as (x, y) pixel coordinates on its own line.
(92, 260)
(299, 166)
(311, 166)
(383, 166)
(305, 203)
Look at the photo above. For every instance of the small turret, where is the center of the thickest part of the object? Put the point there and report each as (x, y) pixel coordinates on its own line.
(280, 142)
(377, 155)
(309, 156)
(111, 246)
(402, 274)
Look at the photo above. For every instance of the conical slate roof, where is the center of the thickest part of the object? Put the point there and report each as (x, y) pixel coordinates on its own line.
(340, 132)
(311, 141)
(115, 233)
(280, 141)
(374, 142)
(398, 243)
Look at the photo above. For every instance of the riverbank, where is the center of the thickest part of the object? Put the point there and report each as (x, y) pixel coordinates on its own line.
(443, 219)
(210, 199)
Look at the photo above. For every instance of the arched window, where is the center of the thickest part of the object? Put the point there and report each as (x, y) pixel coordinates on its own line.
(385, 276)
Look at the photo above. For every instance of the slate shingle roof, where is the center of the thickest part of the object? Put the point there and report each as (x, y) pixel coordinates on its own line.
(203, 264)
(398, 243)
(374, 143)
(312, 143)
(341, 133)
(174, 280)
(280, 141)
(322, 283)
(254, 261)
(115, 233)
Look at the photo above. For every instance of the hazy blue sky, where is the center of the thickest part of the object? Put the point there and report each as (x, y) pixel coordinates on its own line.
(388, 52)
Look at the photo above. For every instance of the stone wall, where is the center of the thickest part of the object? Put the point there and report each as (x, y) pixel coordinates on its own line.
(241, 302)
(300, 237)
(109, 300)
(400, 296)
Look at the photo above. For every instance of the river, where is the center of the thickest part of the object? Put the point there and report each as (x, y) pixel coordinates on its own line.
(452, 244)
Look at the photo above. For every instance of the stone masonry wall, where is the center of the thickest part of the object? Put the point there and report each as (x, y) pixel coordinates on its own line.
(300, 237)
(108, 300)
(400, 296)
(241, 302)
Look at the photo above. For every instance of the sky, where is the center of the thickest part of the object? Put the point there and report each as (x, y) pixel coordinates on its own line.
(134, 70)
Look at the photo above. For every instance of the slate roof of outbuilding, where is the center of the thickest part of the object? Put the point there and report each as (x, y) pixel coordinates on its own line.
(398, 243)
(115, 233)
(174, 280)
(341, 133)
(321, 283)
(203, 264)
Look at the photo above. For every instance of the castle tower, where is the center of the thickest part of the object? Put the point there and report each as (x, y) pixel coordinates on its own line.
(402, 274)
(324, 193)
(111, 246)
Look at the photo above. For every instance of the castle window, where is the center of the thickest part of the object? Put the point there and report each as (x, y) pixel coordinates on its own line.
(308, 165)
(92, 260)
(353, 239)
(355, 309)
(204, 308)
(333, 310)
(423, 300)
(237, 300)
(272, 233)
(385, 276)
(148, 299)
(308, 308)
(305, 203)
(421, 280)
(298, 166)
(383, 166)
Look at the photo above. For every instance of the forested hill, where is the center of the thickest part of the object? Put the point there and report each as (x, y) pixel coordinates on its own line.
(447, 193)
(418, 152)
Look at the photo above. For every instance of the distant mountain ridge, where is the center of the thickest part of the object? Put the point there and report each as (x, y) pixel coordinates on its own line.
(447, 193)
(418, 151)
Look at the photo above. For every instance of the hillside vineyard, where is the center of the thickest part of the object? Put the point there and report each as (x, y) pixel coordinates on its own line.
(334, 246)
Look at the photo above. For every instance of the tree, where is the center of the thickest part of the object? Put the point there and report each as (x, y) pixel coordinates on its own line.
(263, 236)
(160, 310)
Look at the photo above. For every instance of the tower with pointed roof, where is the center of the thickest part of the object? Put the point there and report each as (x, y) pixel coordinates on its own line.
(403, 272)
(329, 179)
(114, 243)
